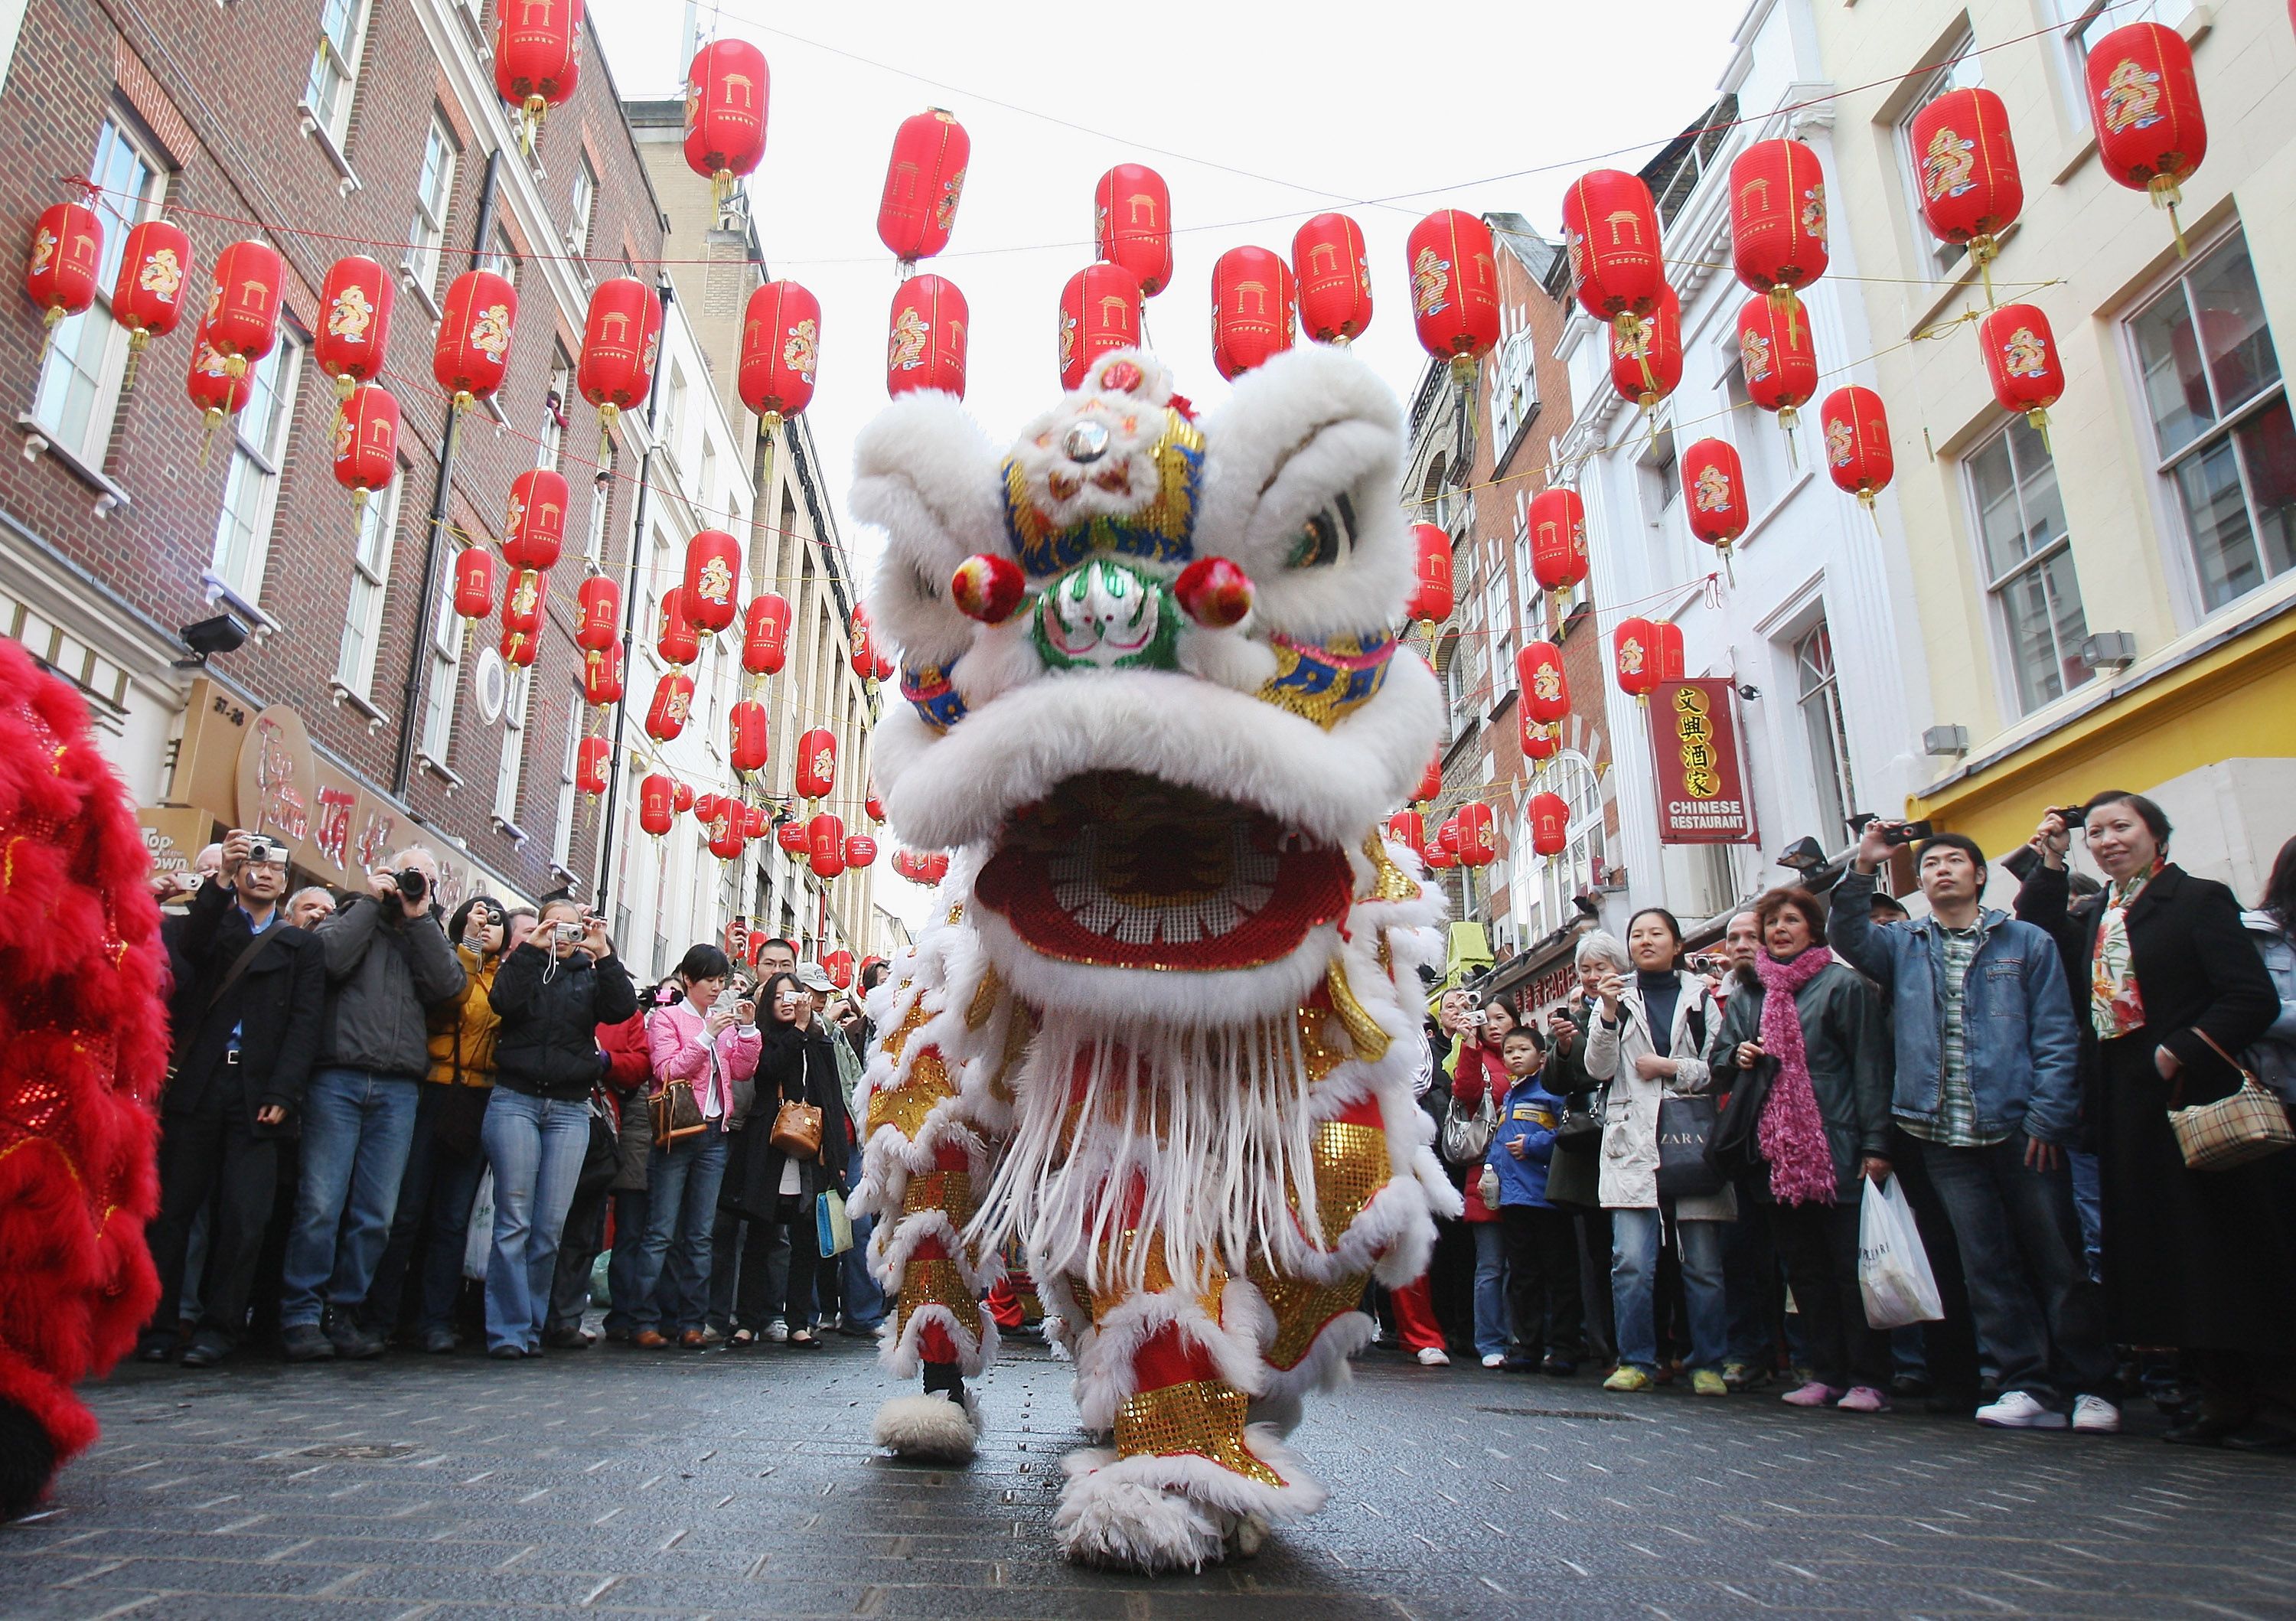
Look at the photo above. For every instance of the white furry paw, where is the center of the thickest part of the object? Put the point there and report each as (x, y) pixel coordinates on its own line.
(1129, 1525)
(930, 1428)
(1249, 1534)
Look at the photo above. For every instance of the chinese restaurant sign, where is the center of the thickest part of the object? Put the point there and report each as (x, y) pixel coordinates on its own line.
(1701, 787)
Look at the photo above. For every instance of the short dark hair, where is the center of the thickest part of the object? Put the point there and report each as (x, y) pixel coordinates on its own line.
(1529, 1033)
(1887, 902)
(459, 924)
(2155, 819)
(704, 962)
(1954, 841)
(774, 939)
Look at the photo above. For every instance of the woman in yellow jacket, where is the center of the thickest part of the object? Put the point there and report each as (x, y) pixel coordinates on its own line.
(444, 1163)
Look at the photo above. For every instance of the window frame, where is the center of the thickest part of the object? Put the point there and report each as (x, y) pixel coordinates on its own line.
(269, 462)
(1997, 587)
(354, 673)
(562, 836)
(510, 765)
(582, 210)
(334, 121)
(424, 259)
(1827, 692)
(448, 637)
(1959, 69)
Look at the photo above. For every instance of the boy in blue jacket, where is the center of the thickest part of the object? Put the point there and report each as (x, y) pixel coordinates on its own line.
(1542, 1244)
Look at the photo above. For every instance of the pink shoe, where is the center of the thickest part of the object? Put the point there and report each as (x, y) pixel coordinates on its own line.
(1812, 1395)
(1864, 1398)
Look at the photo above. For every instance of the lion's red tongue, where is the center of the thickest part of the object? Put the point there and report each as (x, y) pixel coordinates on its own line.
(1121, 871)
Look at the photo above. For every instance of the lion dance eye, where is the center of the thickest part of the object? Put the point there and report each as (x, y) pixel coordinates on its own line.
(1326, 536)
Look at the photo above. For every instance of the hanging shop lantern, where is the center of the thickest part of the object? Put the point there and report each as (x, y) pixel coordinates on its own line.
(1430, 780)
(727, 91)
(1409, 829)
(1454, 289)
(591, 756)
(874, 807)
(602, 675)
(838, 966)
(621, 339)
(1646, 357)
(1611, 234)
(1781, 365)
(713, 564)
(655, 797)
(1557, 519)
(1666, 650)
(1252, 309)
(1100, 311)
(728, 831)
(755, 821)
(148, 298)
(791, 838)
(217, 389)
(2151, 133)
(673, 702)
(1965, 170)
(936, 866)
(825, 840)
(682, 800)
(1538, 743)
(1550, 823)
(1778, 218)
(2021, 362)
(598, 605)
(1132, 225)
(1333, 274)
(885, 665)
(923, 180)
(242, 319)
(67, 251)
(1439, 859)
(747, 727)
(1635, 656)
(1433, 600)
(816, 763)
(860, 850)
(519, 647)
(1714, 482)
(781, 351)
(1546, 690)
(470, 354)
(366, 443)
(354, 336)
(537, 59)
(522, 599)
(925, 347)
(910, 865)
(534, 530)
(864, 655)
(1446, 837)
(704, 806)
(474, 583)
(676, 640)
(765, 633)
(1857, 454)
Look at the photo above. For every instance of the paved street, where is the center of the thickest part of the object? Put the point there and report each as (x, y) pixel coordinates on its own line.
(732, 1484)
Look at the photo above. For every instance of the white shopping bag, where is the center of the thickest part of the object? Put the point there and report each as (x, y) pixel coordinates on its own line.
(480, 1238)
(1893, 1270)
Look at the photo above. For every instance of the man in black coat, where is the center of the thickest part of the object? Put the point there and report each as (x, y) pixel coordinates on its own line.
(248, 1023)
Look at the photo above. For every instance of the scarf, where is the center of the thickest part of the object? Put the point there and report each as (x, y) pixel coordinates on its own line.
(1793, 1131)
(2116, 1005)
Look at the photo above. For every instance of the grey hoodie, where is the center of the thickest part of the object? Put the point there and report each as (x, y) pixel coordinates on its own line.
(383, 970)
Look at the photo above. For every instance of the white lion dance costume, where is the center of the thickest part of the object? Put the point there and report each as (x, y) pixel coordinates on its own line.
(1163, 1028)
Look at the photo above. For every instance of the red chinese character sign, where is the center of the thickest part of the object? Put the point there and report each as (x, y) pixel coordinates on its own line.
(1701, 793)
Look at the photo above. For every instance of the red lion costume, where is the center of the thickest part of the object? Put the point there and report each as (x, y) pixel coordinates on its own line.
(83, 1049)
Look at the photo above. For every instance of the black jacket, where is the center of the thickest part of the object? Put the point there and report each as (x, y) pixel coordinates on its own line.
(275, 1003)
(384, 970)
(547, 1044)
(797, 1066)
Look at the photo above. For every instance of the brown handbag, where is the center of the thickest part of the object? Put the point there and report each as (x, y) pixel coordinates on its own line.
(796, 1130)
(676, 1115)
(2248, 1125)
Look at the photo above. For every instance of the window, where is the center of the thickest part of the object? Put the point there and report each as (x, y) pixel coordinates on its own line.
(562, 837)
(79, 391)
(586, 199)
(503, 259)
(673, 410)
(1962, 68)
(1514, 391)
(1498, 626)
(1763, 445)
(593, 547)
(328, 92)
(1526, 582)
(370, 573)
(258, 449)
(513, 745)
(2029, 563)
(446, 638)
(1659, 475)
(434, 188)
(1544, 886)
(1435, 495)
(552, 439)
(1820, 696)
(2219, 412)
(2086, 21)
(705, 484)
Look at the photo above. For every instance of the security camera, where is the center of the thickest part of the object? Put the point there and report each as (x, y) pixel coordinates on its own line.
(223, 633)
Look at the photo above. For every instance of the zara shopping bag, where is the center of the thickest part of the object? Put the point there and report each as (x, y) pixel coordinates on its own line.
(1893, 1269)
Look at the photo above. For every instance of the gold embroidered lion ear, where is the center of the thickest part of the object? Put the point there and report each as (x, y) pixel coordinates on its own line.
(926, 475)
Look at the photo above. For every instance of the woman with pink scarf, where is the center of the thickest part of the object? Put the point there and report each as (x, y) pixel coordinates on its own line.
(1824, 1128)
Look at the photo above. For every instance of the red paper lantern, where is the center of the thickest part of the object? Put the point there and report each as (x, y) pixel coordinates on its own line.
(816, 763)
(729, 831)
(67, 251)
(537, 58)
(598, 604)
(705, 806)
(673, 702)
(1100, 311)
(2020, 361)
(1132, 225)
(1550, 823)
(621, 336)
(923, 180)
(860, 850)
(1333, 275)
(1666, 650)
(682, 800)
(1430, 780)
(148, 298)
(909, 864)
(765, 633)
(1780, 366)
(1634, 647)
(1409, 829)
(366, 442)
(1477, 848)
(1546, 690)
(1646, 357)
(470, 354)
(1777, 218)
(1432, 603)
(1857, 452)
(988, 588)
(1966, 169)
(655, 797)
(1440, 859)
(522, 599)
(727, 91)
(926, 348)
(754, 821)
(861, 653)
(474, 583)
(838, 966)
(1611, 234)
(1252, 309)
(1714, 483)
(591, 756)
(2151, 134)
(1454, 289)
(213, 386)
(936, 866)
(790, 837)
(534, 531)
(713, 567)
(1558, 540)
(875, 806)
(354, 335)
(824, 838)
(242, 319)
(602, 675)
(1538, 743)
(781, 350)
(676, 639)
(519, 647)
(1446, 837)
(746, 722)
(885, 665)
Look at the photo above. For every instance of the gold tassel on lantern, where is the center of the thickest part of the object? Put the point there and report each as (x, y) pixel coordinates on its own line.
(530, 123)
(206, 441)
(138, 342)
(609, 414)
(2168, 194)
(1985, 250)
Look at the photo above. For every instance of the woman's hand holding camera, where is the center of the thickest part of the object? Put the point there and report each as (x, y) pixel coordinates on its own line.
(1611, 986)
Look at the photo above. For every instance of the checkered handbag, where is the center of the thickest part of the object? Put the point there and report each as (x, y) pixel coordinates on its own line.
(2248, 1125)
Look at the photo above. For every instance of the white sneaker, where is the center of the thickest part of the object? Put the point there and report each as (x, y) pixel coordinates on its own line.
(1495, 1360)
(777, 1331)
(1434, 1356)
(2018, 1411)
(2093, 1415)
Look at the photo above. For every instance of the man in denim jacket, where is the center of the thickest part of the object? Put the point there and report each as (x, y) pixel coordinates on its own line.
(1988, 1081)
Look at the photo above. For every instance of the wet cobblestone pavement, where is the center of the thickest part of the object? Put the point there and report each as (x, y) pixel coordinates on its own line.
(742, 1484)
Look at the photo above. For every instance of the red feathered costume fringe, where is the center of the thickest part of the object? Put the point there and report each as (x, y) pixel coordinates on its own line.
(83, 1050)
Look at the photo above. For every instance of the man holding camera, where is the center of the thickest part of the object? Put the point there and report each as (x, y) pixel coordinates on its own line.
(387, 961)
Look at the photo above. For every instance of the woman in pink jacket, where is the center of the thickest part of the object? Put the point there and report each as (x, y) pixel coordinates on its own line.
(703, 1040)
(1476, 1070)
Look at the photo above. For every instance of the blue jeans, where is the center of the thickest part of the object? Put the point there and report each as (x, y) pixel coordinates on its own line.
(631, 1223)
(535, 1147)
(435, 1196)
(358, 1126)
(1634, 1277)
(681, 1199)
(865, 1302)
(1490, 1289)
(2088, 1199)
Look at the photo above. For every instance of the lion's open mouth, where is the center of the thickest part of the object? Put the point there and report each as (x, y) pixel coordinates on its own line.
(1124, 871)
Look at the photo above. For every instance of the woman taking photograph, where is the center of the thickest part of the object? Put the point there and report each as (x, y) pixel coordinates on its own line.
(1477, 1069)
(551, 994)
(2203, 1260)
(1824, 1126)
(702, 1040)
(1644, 1041)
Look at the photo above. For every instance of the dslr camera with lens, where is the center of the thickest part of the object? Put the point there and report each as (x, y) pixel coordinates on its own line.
(411, 883)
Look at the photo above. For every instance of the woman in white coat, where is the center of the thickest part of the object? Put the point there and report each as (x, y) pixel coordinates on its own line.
(1641, 1071)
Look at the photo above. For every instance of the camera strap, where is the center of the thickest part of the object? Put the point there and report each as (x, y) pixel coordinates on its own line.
(239, 966)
